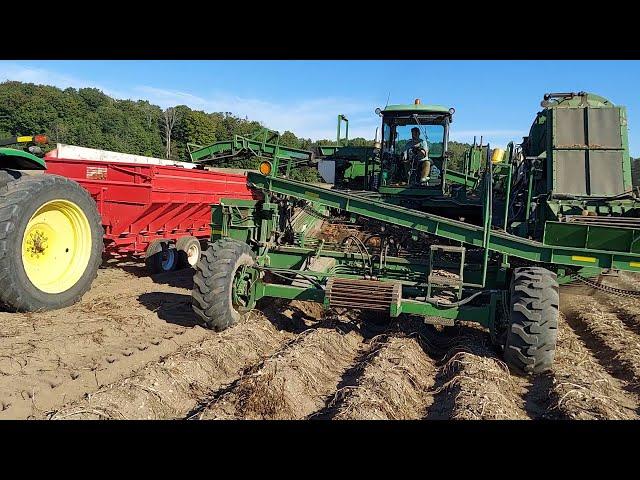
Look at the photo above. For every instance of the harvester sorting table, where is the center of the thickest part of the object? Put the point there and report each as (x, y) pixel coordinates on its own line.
(557, 207)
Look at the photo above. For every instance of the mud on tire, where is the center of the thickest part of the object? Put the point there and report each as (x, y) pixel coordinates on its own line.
(212, 294)
(533, 324)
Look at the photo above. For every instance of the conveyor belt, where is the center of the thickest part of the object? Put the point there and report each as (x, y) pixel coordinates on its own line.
(498, 241)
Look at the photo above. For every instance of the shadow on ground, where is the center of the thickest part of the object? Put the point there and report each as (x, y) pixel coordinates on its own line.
(177, 278)
(173, 308)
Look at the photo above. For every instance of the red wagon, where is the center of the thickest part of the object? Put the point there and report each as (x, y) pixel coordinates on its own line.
(159, 212)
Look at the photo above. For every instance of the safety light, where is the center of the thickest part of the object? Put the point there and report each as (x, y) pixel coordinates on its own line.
(417, 101)
(40, 139)
(265, 168)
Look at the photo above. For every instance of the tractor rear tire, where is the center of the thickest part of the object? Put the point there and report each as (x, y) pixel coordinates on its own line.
(533, 324)
(51, 242)
(213, 283)
(189, 251)
(160, 257)
(8, 175)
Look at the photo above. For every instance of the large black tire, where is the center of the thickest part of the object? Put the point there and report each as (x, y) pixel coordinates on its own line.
(189, 251)
(533, 324)
(8, 175)
(20, 199)
(211, 296)
(160, 257)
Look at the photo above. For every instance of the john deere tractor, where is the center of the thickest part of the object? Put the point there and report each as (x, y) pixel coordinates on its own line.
(50, 232)
(490, 244)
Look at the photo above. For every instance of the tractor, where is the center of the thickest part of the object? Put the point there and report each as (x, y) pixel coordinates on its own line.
(50, 232)
(489, 244)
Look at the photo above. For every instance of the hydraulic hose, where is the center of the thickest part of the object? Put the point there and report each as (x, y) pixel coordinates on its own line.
(459, 303)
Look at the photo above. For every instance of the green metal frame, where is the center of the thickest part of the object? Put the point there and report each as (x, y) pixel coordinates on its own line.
(501, 242)
(264, 144)
(342, 118)
(473, 235)
(17, 159)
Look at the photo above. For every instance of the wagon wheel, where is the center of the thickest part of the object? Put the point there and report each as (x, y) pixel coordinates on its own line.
(188, 249)
(160, 257)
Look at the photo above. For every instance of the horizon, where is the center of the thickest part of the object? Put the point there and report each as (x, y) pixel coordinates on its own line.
(497, 100)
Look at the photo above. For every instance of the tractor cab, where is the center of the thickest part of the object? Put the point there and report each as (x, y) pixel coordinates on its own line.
(413, 149)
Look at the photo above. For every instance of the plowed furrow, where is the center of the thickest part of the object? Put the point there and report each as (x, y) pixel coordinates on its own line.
(627, 280)
(614, 345)
(472, 383)
(627, 309)
(582, 389)
(173, 386)
(292, 384)
(34, 396)
(394, 384)
(350, 377)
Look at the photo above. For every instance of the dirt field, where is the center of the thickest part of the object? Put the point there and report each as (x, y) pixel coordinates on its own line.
(131, 350)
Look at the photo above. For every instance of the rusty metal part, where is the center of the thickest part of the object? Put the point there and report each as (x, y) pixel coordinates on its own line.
(363, 294)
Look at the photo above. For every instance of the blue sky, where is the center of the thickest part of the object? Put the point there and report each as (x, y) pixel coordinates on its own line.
(496, 99)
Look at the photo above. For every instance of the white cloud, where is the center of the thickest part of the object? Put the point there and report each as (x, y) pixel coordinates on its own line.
(42, 76)
(313, 118)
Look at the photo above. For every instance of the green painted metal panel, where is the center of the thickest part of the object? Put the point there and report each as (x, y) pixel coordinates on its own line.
(12, 158)
(592, 237)
(459, 178)
(563, 234)
(260, 147)
(326, 150)
(480, 314)
(588, 151)
(499, 241)
(288, 292)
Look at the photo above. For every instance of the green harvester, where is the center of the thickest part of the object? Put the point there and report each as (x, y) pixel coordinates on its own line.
(489, 244)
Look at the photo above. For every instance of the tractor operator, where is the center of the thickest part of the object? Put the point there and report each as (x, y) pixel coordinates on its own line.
(417, 149)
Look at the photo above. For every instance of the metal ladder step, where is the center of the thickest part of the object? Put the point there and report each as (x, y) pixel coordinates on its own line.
(447, 280)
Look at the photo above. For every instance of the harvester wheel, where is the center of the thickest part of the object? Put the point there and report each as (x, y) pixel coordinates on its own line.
(533, 324)
(160, 257)
(222, 284)
(189, 251)
(50, 242)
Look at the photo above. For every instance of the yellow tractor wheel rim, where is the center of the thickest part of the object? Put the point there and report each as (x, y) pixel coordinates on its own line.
(56, 246)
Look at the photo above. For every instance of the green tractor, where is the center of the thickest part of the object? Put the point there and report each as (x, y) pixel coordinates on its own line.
(489, 244)
(50, 232)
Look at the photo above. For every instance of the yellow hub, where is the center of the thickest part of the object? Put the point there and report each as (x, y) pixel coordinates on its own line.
(56, 246)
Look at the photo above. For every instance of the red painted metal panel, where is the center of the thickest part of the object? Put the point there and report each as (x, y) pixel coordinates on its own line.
(139, 203)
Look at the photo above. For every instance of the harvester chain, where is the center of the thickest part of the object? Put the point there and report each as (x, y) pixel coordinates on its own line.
(607, 288)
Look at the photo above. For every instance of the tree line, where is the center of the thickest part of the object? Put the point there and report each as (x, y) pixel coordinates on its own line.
(88, 117)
